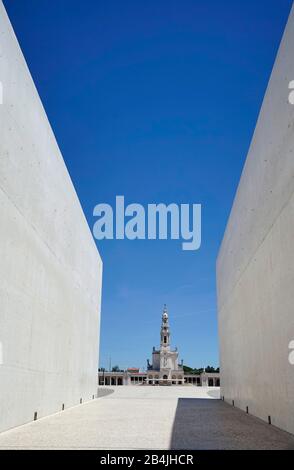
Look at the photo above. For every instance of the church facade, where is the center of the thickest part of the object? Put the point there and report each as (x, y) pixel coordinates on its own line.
(164, 368)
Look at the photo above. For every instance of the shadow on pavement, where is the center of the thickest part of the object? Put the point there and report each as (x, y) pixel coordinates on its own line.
(202, 424)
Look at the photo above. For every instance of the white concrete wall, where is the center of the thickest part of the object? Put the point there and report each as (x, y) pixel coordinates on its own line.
(255, 268)
(50, 270)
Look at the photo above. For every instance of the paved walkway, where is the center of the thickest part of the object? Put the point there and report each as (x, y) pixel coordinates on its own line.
(149, 418)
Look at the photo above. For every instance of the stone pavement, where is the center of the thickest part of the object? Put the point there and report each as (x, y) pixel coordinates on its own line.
(134, 417)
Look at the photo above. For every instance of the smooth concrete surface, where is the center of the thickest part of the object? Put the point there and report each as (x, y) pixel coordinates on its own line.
(142, 417)
(255, 267)
(50, 270)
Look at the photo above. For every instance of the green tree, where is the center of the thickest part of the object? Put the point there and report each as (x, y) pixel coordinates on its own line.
(195, 371)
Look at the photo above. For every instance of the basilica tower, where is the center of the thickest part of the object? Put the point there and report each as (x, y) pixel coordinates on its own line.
(164, 331)
(165, 369)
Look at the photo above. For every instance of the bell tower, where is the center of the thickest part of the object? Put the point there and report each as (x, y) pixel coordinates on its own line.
(164, 331)
(165, 369)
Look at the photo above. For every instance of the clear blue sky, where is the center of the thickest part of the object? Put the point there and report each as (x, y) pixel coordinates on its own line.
(157, 101)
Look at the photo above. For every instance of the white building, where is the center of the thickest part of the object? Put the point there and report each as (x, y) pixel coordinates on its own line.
(164, 370)
(50, 269)
(255, 267)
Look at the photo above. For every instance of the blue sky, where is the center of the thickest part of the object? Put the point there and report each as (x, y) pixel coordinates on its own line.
(156, 101)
